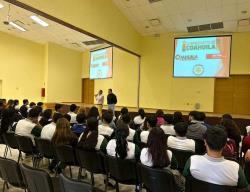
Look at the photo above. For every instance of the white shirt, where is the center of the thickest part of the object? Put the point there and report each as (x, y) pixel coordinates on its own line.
(48, 131)
(100, 139)
(181, 143)
(131, 134)
(73, 117)
(138, 120)
(105, 130)
(112, 146)
(214, 170)
(24, 127)
(99, 99)
(168, 129)
(144, 136)
(146, 158)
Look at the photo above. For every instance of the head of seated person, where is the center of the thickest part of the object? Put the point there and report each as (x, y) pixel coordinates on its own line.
(151, 122)
(192, 116)
(177, 117)
(168, 119)
(124, 111)
(93, 112)
(33, 115)
(32, 104)
(181, 129)
(107, 118)
(25, 102)
(160, 117)
(121, 135)
(67, 116)
(58, 107)
(126, 119)
(40, 104)
(56, 116)
(81, 118)
(73, 108)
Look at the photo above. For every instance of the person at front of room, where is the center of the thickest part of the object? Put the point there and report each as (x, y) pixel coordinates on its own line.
(99, 97)
(112, 100)
(212, 167)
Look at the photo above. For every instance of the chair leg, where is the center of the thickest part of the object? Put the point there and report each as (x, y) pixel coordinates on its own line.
(70, 171)
(19, 156)
(79, 174)
(92, 179)
(5, 151)
(117, 186)
(10, 152)
(106, 182)
(5, 184)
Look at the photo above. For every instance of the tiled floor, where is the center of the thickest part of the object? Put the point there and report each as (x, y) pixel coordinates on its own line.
(99, 183)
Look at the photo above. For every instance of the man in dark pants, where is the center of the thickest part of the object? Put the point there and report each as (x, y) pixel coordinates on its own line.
(112, 100)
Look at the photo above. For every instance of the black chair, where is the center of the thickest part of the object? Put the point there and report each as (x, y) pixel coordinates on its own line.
(66, 156)
(200, 147)
(122, 171)
(247, 170)
(25, 145)
(93, 162)
(67, 185)
(11, 173)
(10, 141)
(45, 148)
(194, 185)
(37, 180)
(181, 156)
(156, 180)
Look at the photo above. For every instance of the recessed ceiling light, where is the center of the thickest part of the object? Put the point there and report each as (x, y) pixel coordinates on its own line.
(17, 26)
(1, 5)
(39, 21)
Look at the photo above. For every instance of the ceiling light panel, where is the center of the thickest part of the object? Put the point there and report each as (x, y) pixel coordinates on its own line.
(17, 26)
(1, 6)
(39, 21)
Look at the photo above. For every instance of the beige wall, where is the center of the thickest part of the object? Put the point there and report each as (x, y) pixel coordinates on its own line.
(21, 68)
(64, 74)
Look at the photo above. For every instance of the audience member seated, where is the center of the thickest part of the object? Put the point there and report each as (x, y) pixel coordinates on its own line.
(9, 120)
(59, 108)
(133, 135)
(160, 117)
(72, 113)
(104, 129)
(177, 117)
(82, 110)
(24, 108)
(120, 147)
(10, 103)
(151, 124)
(31, 106)
(196, 129)
(80, 126)
(203, 118)
(140, 119)
(40, 104)
(168, 127)
(91, 139)
(93, 112)
(112, 124)
(246, 143)
(212, 167)
(49, 130)
(181, 141)
(16, 104)
(233, 131)
(29, 126)
(46, 117)
(156, 155)
(2, 107)
(124, 111)
(67, 116)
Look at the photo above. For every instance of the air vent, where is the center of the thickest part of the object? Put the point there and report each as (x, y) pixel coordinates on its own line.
(243, 22)
(155, 22)
(205, 27)
(154, 1)
(94, 42)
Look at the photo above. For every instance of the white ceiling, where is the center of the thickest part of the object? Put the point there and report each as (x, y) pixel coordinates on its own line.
(55, 32)
(176, 15)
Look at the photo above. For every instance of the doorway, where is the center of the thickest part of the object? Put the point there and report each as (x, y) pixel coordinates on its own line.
(88, 91)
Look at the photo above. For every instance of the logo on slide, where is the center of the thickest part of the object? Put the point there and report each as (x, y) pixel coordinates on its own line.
(198, 69)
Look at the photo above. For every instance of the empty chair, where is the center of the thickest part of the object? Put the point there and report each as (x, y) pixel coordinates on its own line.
(25, 145)
(92, 161)
(45, 148)
(10, 141)
(37, 180)
(67, 185)
(194, 185)
(11, 173)
(156, 180)
(66, 156)
(181, 156)
(122, 171)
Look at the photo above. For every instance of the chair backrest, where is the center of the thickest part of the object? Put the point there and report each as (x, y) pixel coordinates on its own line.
(10, 172)
(159, 180)
(25, 144)
(10, 140)
(45, 148)
(247, 170)
(181, 156)
(66, 154)
(193, 185)
(67, 185)
(37, 180)
(93, 161)
(200, 147)
(122, 170)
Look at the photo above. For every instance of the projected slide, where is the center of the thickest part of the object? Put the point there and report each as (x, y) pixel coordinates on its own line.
(202, 56)
(101, 62)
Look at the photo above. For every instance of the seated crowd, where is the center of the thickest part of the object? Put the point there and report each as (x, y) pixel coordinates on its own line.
(146, 138)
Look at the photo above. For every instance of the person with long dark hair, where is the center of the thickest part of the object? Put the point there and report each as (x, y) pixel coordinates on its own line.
(156, 154)
(90, 139)
(8, 120)
(120, 147)
(160, 117)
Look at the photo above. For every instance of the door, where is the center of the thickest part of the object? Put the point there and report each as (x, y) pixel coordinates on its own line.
(87, 91)
(232, 95)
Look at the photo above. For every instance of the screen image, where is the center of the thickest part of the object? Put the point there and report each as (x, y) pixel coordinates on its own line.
(101, 63)
(202, 56)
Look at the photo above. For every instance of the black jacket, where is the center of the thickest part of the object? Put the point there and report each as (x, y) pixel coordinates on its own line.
(111, 98)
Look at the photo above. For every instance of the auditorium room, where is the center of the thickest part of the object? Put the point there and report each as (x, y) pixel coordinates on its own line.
(125, 95)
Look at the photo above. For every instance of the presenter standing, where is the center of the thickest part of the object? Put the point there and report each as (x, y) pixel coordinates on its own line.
(112, 100)
(99, 101)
